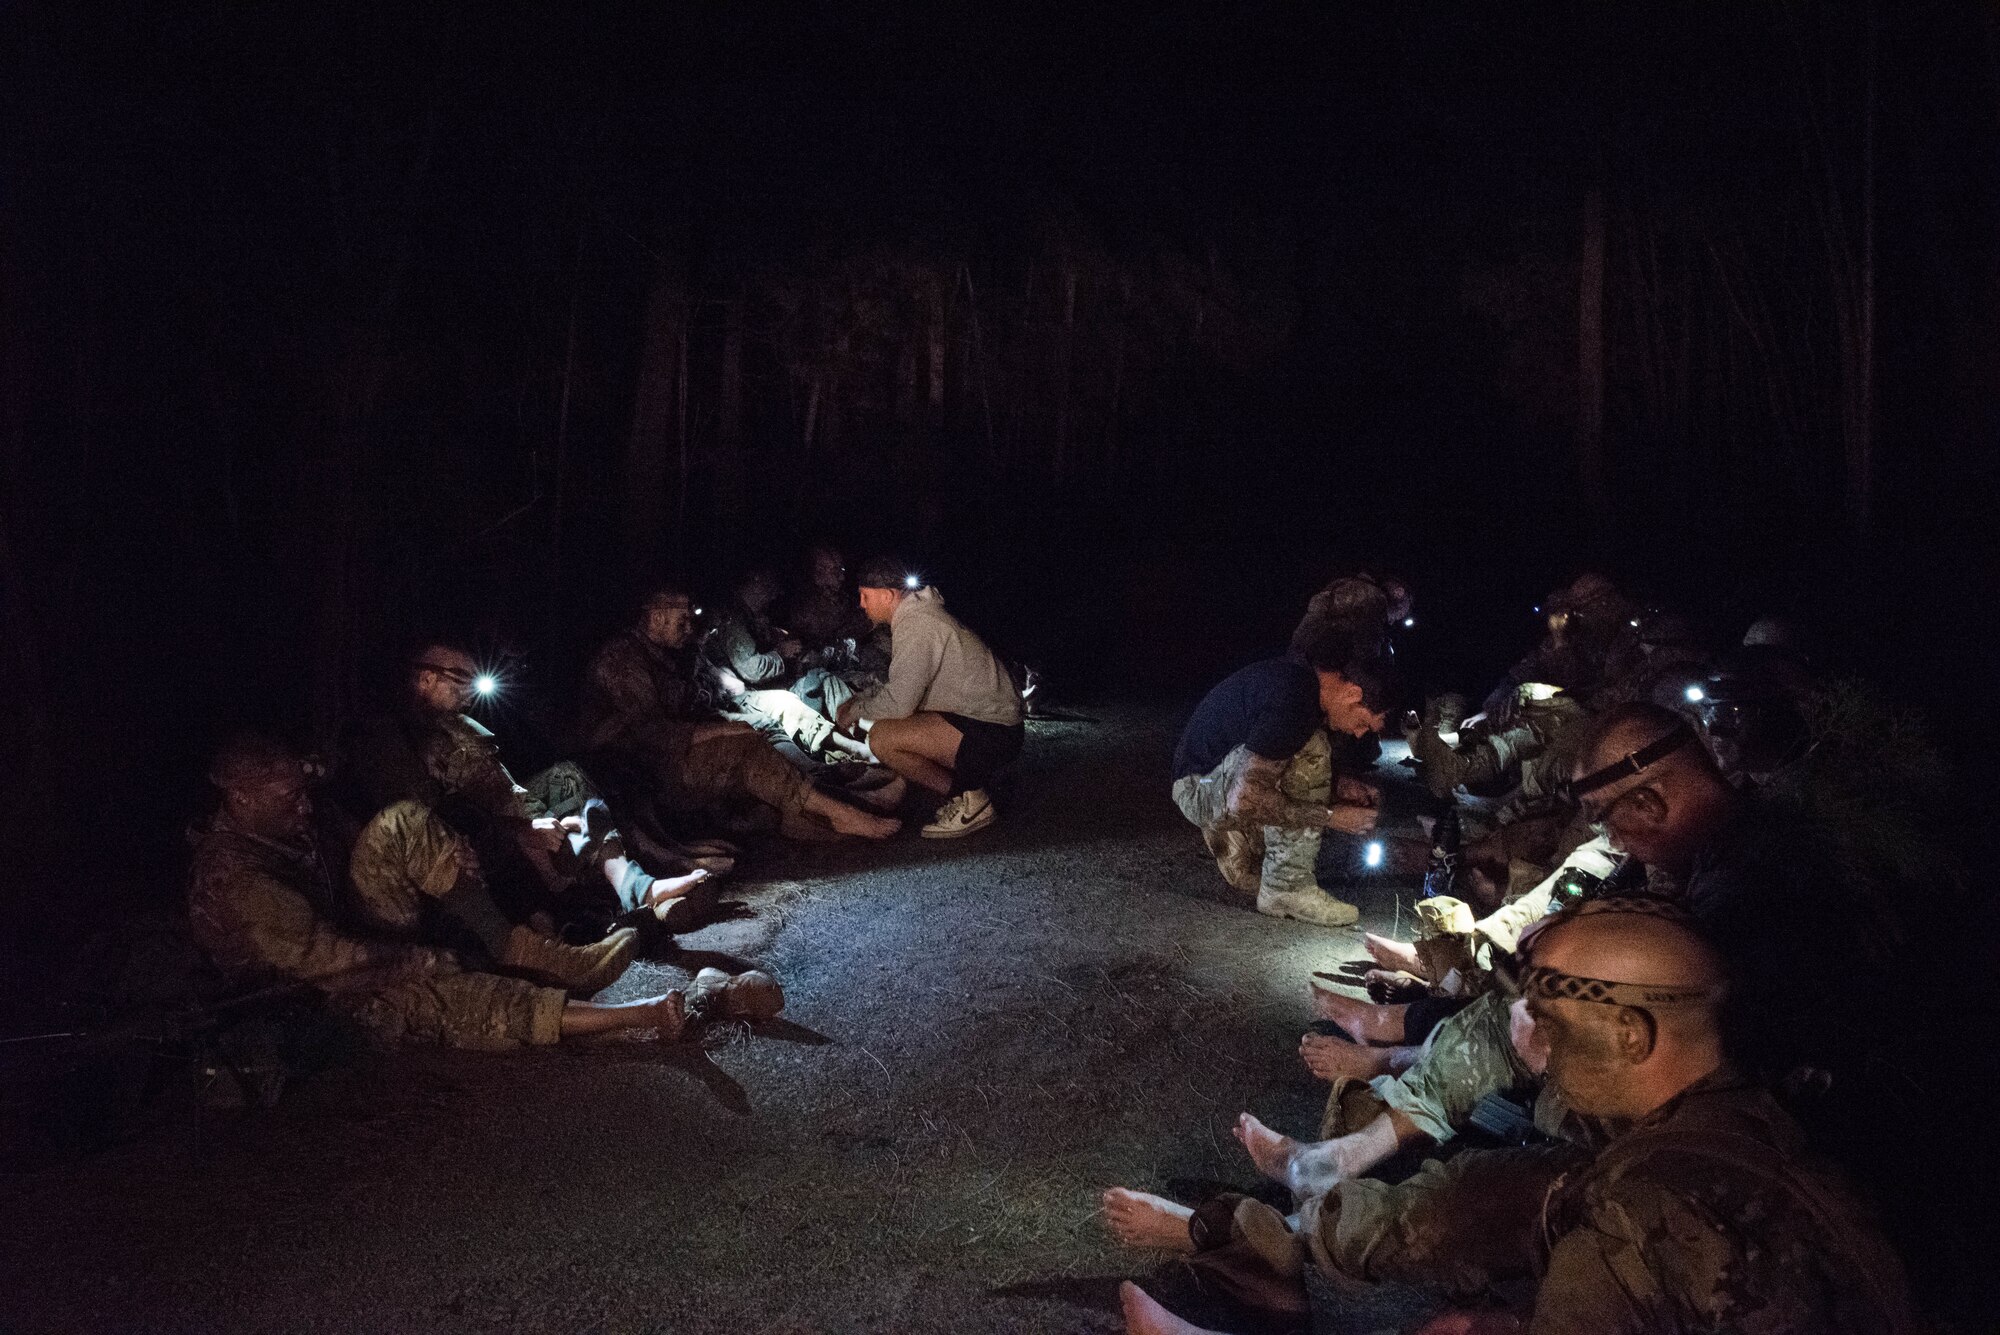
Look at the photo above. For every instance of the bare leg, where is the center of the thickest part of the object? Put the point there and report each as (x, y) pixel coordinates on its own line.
(1368, 1022)
(1400, 956)
(1271, 1152)
(1315, 1169)
(1143, 1316)
(1140, 1219)
(849, 820)
(666, 1014)
(668, 891)
(922, 748)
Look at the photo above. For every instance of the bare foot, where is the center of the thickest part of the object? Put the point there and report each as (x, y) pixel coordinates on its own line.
(887, 797)
(1139, 1219)
(1399, 955)
(1367, 1022)
(665, 890)
(1143, 1316)
(851, 820)
(1329, 1058)
(668, 1015)
(1271, 1152)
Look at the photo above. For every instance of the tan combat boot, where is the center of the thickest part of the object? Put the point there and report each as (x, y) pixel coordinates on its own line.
(580, 969)
(753, 996)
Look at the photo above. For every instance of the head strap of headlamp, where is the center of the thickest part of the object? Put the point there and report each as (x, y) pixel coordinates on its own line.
(1632, 763)
(1541, 983)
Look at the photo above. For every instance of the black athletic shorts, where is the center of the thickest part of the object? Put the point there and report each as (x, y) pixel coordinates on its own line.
(982, 748)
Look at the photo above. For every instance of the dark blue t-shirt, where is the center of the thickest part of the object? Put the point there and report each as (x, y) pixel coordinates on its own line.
(1271, 707)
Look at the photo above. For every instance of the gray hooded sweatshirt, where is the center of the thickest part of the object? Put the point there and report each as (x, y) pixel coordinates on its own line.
(936, 664)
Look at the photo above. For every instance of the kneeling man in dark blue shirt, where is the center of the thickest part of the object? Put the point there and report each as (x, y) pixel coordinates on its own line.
(1254, 770)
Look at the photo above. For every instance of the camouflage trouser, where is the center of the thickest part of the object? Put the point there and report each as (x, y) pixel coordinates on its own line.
(1467, 1057)
(479, 1011)
(404, 856)
(1271, 857)
(1466, 1225)
(723, 767)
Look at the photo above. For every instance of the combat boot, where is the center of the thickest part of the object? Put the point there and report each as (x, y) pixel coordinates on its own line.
(752, 996)
(1239, 856)
(581, 969)
(1312, 905)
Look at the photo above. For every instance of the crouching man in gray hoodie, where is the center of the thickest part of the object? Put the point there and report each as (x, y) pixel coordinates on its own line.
(949, 715)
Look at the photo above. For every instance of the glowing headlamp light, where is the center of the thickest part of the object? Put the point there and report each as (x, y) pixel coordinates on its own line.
(912, 582)
(1409, 622)
(485, 683)
(1371, 856)
(1695, 695)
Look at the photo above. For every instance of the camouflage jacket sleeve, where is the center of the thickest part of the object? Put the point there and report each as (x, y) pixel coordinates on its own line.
(736, 647)
(1704, 1234)
(462, 756)
(251, 921)
(627, 711)
(1599, 1283)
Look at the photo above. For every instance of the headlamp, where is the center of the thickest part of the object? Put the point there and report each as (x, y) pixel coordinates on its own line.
(485, 683)
(1371, 856)
(1695, 695)
(912, 582)
(1408, 622)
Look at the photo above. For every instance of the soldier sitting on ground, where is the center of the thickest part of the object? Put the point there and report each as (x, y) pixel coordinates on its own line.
(1254, 770)
(1704, 1211)
(749, 666)
(265, 906)
(1590, 640)
(429, 750)
(641, 711)
(839, 638)
(1367, 608)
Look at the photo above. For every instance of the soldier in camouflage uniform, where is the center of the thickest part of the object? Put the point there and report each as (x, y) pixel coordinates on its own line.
(642, 712)
(1702, 1211)
(749, 666)
(1590, 640)
(264, 906)
(534, 859)
(836, 633)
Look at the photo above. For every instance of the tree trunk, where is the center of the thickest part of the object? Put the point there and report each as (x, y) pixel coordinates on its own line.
(1861, 426)
(650, 442)
(1065, 354)
(1590, 364)
(729, 416)
(934, 418)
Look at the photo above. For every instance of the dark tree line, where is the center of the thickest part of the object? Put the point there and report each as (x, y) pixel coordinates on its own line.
(320, 329)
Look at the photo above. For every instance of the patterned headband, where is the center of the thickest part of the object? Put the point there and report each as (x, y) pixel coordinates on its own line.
(1553, 985)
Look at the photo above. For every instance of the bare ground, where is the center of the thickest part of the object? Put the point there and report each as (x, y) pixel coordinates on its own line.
(984, 1034)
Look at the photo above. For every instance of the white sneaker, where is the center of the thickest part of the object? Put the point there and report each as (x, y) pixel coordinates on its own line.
(970, 810)
(1313, 906)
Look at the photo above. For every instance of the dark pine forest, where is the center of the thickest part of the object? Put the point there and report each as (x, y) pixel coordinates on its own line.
(326, 326)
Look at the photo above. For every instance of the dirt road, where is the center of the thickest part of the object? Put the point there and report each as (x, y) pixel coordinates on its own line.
(988, 1032)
